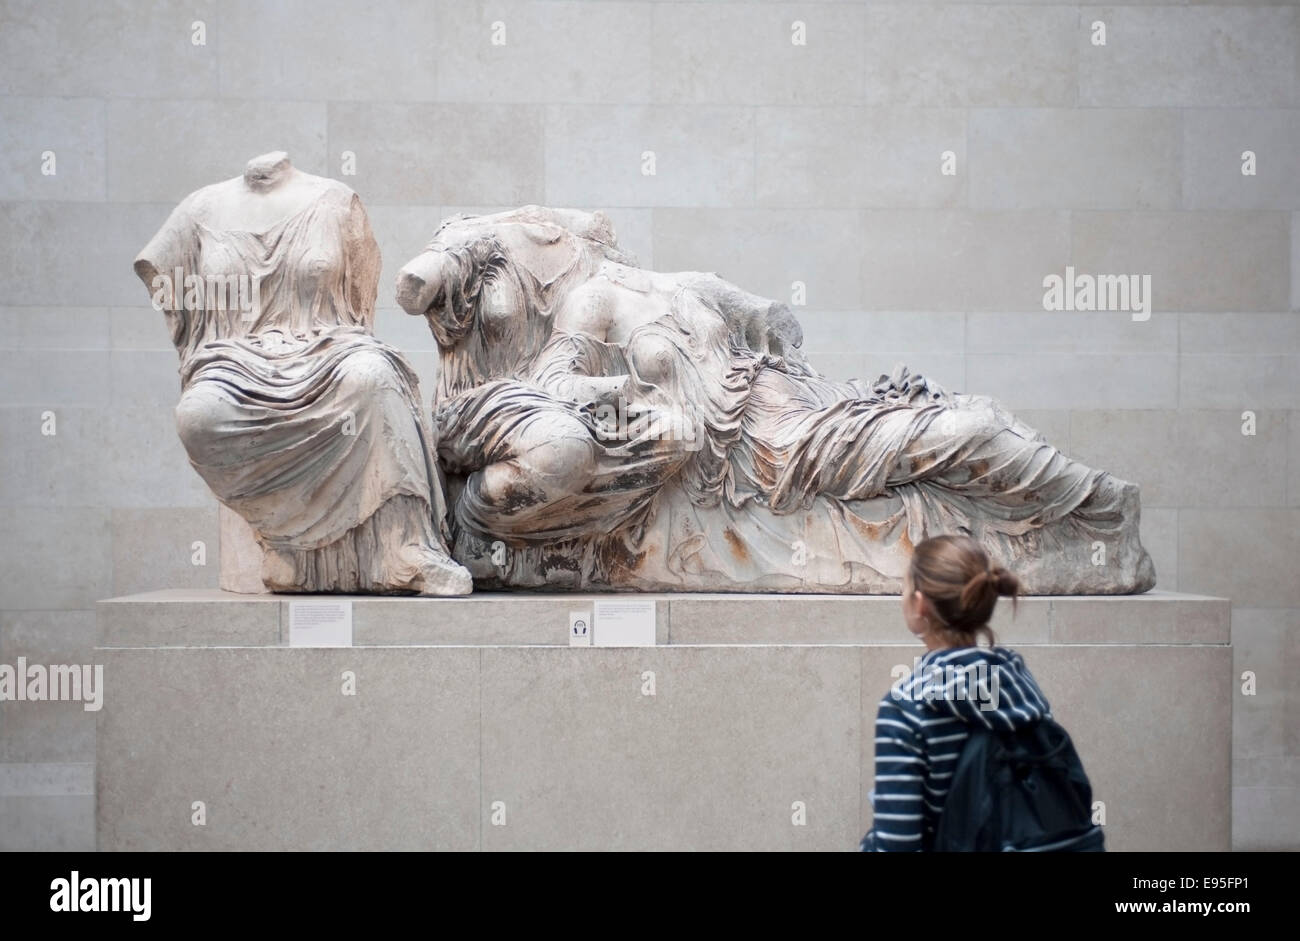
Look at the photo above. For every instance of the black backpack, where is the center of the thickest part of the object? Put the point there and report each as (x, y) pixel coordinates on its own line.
(1023, 792)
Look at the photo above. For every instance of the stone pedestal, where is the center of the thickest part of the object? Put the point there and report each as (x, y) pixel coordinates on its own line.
(475, 725)
(241, 556)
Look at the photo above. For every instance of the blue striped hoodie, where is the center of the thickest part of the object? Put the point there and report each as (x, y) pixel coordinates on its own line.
(924, 721)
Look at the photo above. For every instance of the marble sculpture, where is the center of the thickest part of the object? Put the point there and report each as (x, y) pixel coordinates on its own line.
(596, 425)
(603, 426)
(296, 416)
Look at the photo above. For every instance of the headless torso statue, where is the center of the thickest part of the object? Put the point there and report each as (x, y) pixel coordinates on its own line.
(295, 415)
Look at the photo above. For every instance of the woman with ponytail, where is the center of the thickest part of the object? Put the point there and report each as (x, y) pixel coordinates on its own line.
(949, 593)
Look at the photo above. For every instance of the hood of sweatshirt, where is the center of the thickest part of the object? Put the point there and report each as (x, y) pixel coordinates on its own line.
(988, 686)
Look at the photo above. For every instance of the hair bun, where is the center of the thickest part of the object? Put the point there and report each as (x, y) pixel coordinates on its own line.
(962, 585)
(1006, 582)
(975, 594)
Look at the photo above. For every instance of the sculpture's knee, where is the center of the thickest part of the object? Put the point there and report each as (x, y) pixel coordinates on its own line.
(962, 424)
(528, 485)
(563, 465)
(200, 412)
(364, 372)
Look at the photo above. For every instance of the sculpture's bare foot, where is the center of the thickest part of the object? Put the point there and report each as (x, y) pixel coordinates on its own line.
(436, 572)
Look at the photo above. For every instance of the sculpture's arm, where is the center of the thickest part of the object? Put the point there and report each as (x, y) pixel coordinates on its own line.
(577, 368)
(594, 389)
(761, 324)
(362, 265)
(173, 248)
(588, 225)
(419, 281)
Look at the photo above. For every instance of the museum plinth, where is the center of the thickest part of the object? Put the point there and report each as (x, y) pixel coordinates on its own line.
(472, 724)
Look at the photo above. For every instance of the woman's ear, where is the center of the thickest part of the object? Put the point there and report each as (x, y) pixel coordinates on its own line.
(922, 605)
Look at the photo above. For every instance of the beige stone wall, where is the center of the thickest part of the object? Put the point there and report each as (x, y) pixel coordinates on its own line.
(775, 163)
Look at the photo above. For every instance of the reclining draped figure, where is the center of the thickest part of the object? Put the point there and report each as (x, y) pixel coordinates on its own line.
(295, 415)
(608, 427)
